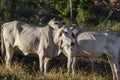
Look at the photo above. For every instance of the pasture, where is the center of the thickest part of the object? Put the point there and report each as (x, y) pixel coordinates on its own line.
(27, 68)
(38, 12)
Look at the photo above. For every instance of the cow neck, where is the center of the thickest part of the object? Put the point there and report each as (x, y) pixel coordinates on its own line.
(77, 31)
(52, 30)
(50, 27)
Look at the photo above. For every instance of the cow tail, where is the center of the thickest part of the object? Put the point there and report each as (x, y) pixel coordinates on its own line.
(2, 43)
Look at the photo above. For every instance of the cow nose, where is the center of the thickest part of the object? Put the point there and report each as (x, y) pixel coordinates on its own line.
(72, 43)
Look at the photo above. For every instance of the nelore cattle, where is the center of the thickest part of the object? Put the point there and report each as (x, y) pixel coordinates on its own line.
(47, 42)
(97, 43)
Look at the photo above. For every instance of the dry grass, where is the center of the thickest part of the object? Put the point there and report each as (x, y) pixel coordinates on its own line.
(27, 68)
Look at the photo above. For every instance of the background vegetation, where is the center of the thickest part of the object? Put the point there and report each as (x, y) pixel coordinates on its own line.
(86, 13)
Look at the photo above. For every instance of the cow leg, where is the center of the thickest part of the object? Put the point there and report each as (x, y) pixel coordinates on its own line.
(8, 57)
(115, 67)
(69, 64)
(41, 61)
(46, 62)
(73, 65)
(92, 60)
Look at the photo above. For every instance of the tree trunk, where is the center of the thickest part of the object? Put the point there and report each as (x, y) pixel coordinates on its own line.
(71, 14)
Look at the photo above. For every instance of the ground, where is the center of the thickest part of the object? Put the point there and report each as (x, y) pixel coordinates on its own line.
(27, 68)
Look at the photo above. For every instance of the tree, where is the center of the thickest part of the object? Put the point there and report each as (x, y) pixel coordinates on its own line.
(5, 6)
(71, 14)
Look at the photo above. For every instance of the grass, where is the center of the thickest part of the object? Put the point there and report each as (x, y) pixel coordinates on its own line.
(105, 25)
(27, 68)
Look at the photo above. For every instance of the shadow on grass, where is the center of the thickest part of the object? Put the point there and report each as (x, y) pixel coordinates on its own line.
(32, 62)
(9, 77)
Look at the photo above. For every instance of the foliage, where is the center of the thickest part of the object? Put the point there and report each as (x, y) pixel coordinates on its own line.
(84, 17)
(4, 9)
(39, 12)
(64, 11)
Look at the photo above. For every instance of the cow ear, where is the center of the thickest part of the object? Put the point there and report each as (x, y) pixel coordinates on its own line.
(62, 28)
(60, 34)
(51, 21)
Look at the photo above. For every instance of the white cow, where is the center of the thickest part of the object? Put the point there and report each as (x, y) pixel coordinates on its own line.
(97, 43)
(46, 42)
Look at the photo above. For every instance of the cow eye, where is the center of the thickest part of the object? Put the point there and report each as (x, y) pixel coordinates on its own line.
(73, 35)
(66, 32)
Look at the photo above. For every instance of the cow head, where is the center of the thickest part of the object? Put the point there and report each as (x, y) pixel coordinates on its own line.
(63, 36)
(55, 24)
(64, 39)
